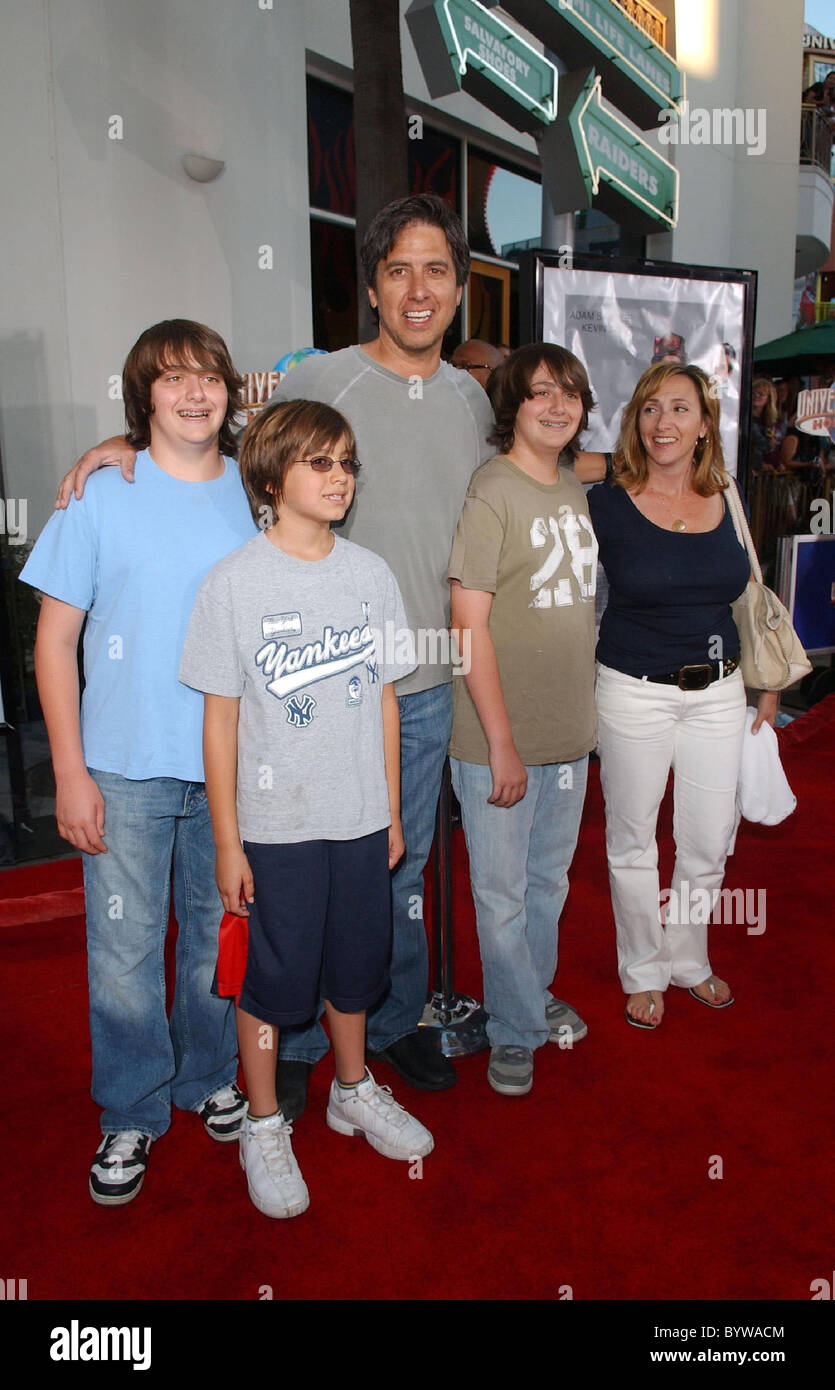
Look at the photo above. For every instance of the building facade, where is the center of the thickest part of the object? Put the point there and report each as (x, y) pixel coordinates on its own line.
(192, 158)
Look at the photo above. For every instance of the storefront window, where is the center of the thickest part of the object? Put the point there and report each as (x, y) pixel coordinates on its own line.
(334, 276)
(433, 158)
(330, 148)
(504, 206)
(433, 165)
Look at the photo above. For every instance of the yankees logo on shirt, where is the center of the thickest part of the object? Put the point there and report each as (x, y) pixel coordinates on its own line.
(300, 710)
(290, 669)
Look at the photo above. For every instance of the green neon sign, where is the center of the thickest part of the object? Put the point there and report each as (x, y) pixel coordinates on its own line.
(463, 46)
(610, 151)
(640, 76)
(630, 49)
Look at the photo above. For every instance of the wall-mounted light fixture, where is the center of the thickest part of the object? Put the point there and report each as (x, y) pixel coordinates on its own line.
(202, 169)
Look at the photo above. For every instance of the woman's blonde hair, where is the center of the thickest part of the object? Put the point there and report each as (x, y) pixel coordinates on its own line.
(769, 415)
(631, 471)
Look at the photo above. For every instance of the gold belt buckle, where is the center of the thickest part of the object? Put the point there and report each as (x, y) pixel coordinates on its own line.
(707, 675)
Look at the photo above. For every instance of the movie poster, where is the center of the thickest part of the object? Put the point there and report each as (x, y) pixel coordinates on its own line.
(620, 323)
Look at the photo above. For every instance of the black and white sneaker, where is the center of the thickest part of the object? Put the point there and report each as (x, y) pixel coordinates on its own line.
(118, 1169)
(223, 1113)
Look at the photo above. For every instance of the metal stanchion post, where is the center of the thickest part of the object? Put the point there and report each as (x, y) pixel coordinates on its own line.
(460, 1019)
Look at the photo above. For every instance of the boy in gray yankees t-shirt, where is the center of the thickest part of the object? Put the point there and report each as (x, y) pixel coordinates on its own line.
(290, 640)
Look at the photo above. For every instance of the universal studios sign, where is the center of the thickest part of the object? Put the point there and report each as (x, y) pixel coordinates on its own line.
(816, 411)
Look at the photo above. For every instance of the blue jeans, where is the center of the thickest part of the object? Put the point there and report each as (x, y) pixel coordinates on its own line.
(519, 861)
(425, 728)
(142, 1061)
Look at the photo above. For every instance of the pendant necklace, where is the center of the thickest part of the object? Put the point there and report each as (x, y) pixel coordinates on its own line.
(678, 523)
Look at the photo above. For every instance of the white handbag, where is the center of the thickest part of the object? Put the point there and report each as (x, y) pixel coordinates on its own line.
(771, 653)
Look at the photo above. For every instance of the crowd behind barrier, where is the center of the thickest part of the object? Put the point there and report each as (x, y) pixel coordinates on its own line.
(780, 504)
(815, 137)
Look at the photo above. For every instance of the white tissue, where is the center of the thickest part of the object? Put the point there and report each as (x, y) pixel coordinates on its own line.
(763, 793)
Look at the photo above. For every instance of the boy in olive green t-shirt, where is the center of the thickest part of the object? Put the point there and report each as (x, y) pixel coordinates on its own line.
(523, 574)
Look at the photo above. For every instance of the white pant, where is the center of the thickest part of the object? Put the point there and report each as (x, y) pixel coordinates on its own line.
(644, 730)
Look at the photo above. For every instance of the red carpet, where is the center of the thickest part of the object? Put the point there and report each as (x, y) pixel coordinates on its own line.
(598, 1180)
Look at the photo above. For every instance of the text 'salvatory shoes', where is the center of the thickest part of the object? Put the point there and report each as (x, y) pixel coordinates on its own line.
(223, 1113)
(371, 1111)
(273, 1177)
(118, 1169)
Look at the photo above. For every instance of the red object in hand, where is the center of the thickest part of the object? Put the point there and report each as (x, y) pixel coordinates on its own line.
(232, 952)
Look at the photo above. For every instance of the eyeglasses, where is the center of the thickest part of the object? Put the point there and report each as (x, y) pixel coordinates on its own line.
(473, 366)
(323, 464)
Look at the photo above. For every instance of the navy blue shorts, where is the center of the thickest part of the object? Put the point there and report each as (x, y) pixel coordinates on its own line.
(320, 927)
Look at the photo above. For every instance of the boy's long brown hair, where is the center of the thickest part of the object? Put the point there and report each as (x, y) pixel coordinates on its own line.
(176, 343)
(276, 437)
(631, 471)
(510, 385)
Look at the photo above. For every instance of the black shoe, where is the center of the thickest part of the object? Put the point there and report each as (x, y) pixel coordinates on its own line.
(418, 1059)
(223, 1114)
(291, 1081)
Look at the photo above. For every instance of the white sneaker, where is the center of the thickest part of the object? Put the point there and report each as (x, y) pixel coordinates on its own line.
(118, 1169)
(372, 1111)
(275, 1183)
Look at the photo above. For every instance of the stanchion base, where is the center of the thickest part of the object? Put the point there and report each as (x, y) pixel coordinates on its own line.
(460, 1022)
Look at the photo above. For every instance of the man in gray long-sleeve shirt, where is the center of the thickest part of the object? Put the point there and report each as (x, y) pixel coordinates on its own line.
(421, 428)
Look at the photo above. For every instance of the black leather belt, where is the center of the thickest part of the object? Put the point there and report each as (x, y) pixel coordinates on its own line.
(697, 677)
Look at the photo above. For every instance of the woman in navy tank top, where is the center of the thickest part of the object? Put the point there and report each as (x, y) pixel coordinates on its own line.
(669, 690)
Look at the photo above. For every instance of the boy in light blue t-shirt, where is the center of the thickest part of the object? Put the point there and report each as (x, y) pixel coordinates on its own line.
(130, 791)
